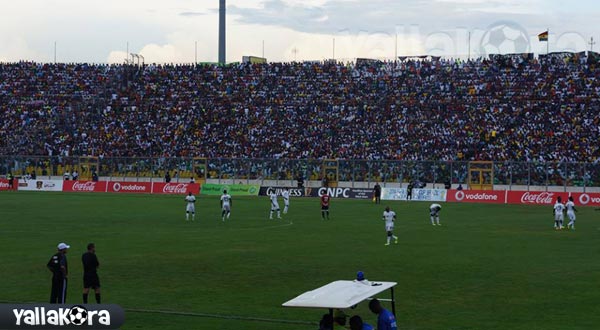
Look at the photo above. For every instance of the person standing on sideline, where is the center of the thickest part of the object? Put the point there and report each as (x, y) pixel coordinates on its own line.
(325, 206)
(11, 181)
(58, 266)
(434, 213)
(558, 210)
(409, 190)
(226, 204)
(377, 193)
(389, 217)
(90, 273)
(190, 208)
(571, 213)
(385, 319)
(274, 205)
(286, 200)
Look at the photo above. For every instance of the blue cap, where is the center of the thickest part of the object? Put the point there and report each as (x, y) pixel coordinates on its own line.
(360, 276)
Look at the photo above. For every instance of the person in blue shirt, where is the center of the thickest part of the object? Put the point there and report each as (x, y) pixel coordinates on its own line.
(385, 319)
(356, 323)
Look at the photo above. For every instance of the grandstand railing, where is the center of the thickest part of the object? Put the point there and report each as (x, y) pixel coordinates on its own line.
(506, 173)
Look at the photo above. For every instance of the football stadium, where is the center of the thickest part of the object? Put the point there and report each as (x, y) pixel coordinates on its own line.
(264, 165)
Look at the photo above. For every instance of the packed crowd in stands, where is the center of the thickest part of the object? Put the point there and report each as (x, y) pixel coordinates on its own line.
(410, 110)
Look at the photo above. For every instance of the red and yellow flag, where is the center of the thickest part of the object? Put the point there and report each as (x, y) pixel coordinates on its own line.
(543, 36)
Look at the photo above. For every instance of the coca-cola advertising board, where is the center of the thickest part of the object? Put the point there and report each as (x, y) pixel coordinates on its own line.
(5, 186)
(535, 197)
(129, 187)
(175, 188)
(84, 186)
(476, 196)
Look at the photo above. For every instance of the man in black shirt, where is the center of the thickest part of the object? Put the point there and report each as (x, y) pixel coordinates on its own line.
(58, 266)
(409, 190)
(377, 193)
(90, 276)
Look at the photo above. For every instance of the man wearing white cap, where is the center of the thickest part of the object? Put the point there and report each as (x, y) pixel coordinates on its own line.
(58, 266)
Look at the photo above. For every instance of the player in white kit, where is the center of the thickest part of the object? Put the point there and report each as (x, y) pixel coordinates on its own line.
(286, 200)
(274, 205)
(434, 213)
(571, 213)
(389, 217)
(190, 207)
(559, 208)
(226, 203)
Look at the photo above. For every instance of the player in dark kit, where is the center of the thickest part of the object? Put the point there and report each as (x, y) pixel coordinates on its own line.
(90, 275)
(325, 206)
(409, 190)
(377, 193)
(58, 266)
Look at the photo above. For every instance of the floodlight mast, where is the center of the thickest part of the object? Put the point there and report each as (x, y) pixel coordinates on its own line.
(222, 29)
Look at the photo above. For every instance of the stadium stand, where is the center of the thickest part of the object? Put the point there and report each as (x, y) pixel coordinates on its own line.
(413, 110)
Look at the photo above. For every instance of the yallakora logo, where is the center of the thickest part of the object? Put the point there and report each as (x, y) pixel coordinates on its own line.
(76, 315)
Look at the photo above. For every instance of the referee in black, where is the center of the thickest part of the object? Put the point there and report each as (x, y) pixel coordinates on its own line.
(58, 266)
(90, 275)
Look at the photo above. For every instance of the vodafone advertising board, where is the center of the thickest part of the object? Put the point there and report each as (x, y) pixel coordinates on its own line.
(84, 186)
(476, 196)
(129, 187)
(175, 188)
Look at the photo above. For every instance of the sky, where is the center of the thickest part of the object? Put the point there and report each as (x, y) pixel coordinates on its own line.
(167, 31)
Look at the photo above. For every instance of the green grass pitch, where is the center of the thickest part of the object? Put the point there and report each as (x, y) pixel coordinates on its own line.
(487, 267)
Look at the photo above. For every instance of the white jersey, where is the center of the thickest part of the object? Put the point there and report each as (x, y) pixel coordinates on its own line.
(571, 210)
(226, 201)
(435, 207)
(570, 206)
(389, 219)
(274, 203)
(286, 197)
(558, 211)
(191, 200)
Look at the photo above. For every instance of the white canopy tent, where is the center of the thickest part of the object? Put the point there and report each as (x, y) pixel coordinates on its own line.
(342, 294)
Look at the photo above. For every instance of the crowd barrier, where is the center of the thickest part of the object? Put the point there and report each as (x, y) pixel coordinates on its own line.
(109, 187)
(390, 194)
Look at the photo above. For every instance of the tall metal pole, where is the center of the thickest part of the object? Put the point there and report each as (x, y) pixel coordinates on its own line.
(222, 38)
(548, 43)
(263, 49)
(469, 55)
(55, 52)
(195, 52)
(127, 53)
(592, 43)
(396, 48)
(334, 48)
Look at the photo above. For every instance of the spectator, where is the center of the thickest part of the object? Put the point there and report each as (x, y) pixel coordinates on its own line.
(167, 177)
(67, 175)
(75, 175)
(385, 319)
(356, 323)
(94, 176)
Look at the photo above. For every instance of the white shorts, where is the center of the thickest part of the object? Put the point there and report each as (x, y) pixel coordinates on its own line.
(226, 207)
(274, 206)
(389, 228)
(571, 216)
(559, 217)
(190, 208)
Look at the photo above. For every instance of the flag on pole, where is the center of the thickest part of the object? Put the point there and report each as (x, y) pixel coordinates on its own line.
(543, 36)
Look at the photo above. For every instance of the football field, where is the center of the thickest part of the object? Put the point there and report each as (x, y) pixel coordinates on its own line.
(487, 267)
